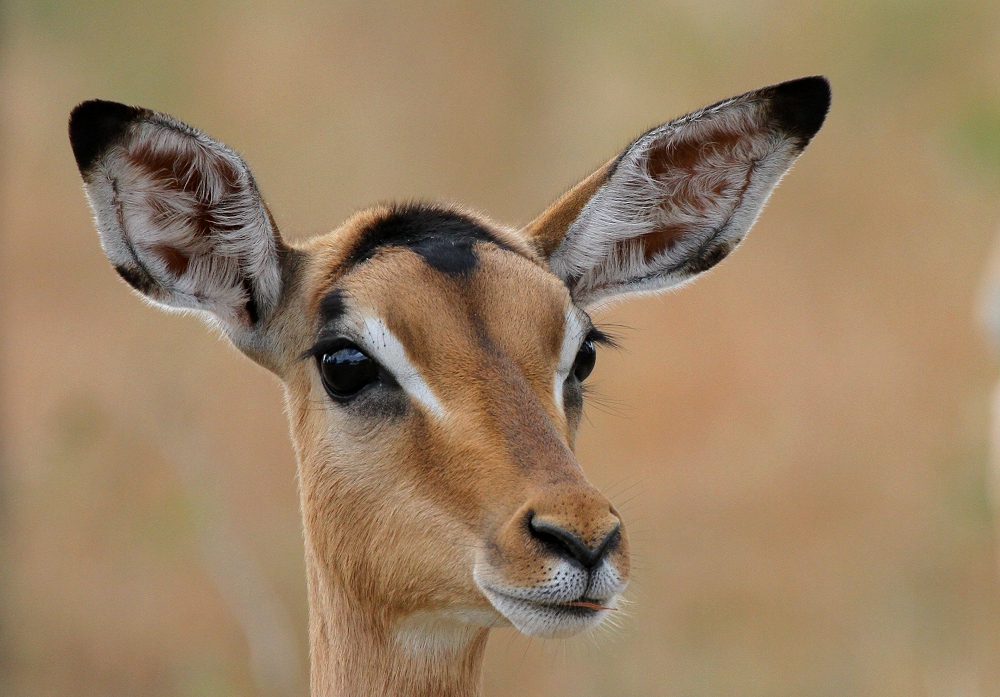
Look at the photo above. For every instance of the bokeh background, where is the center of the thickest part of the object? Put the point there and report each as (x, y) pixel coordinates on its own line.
(799, 441)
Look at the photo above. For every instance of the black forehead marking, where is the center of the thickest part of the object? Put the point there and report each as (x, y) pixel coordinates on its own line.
(332, 307)
(444, 239)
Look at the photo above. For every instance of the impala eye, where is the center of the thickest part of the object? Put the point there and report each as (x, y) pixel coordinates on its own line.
(585, 359)
(347, 371)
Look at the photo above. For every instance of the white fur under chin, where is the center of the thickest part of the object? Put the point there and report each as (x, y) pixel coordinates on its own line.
(442, 633)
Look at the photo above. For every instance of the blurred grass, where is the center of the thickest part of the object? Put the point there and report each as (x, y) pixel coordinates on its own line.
(978, 138)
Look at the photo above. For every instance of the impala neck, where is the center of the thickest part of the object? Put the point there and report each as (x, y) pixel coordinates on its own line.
(357, 651)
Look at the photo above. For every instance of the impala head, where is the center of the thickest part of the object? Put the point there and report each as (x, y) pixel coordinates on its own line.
(434, 360)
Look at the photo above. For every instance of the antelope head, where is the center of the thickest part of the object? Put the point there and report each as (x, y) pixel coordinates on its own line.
(433, 363)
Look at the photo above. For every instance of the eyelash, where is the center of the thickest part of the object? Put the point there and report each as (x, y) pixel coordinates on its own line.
(324, 346)
(601, 338)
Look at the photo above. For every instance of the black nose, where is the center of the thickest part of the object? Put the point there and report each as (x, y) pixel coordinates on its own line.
(567, 544)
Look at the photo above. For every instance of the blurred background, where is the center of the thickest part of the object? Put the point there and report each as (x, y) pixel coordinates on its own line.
(799, 441)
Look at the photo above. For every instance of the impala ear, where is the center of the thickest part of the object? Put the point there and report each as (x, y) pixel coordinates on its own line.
(681, 196)
(179, 215)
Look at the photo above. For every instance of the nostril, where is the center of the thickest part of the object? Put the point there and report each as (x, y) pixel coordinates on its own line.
(567, 544)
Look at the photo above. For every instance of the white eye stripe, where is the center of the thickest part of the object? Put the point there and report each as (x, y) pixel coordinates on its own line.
(573, 335)
(378, 341)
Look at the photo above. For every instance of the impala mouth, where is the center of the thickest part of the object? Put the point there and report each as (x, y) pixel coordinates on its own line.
(550, 619)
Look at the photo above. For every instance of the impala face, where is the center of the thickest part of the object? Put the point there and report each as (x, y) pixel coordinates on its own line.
(433, 360)
(448, 362)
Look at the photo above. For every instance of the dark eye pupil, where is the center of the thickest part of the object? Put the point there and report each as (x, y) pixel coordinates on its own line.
(346, 371)
(585, 359)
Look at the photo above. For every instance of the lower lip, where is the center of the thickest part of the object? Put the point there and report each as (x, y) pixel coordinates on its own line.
(575, 609)
(588, 605)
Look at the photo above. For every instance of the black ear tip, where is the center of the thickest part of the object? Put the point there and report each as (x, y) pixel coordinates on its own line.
(95, 125)
(800, 106)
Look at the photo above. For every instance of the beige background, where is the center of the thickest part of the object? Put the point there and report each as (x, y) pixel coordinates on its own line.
(798, 441)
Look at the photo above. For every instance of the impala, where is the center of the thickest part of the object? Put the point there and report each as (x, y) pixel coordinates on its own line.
(433, 363)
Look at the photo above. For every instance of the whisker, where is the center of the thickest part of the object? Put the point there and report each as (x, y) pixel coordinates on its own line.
(611, 487)
(630, 499)
(641, 480)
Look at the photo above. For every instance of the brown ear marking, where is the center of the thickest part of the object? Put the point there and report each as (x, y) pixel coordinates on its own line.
(660, 240)
(685, 155)
(175, 260)
(177, 169)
